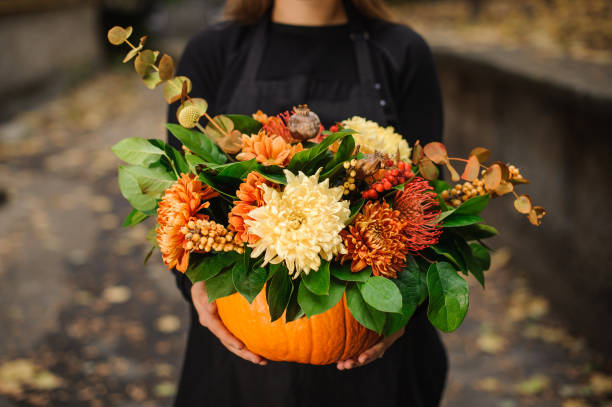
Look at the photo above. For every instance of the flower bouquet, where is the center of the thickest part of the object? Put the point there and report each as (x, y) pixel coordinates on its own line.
(313, 242)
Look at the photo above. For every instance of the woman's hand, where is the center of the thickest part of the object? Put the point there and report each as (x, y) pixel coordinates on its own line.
(375, 352)
(209, 317)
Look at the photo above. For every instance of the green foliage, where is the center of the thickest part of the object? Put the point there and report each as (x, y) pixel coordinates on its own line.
(220, 286)
(366, 315)
(137, 151)
(382, 294)
(313, 304)
(142, 187)
(409, 287)
(310, 160)
(278, 293)
(343, 272)
(203, 267)
(355, 209)
(345, 151)
(134, 218)
(249, 282)
(448, 297)
(198, 143)
(294, 311)
(245, 124)
(318, 281)
(456, 220)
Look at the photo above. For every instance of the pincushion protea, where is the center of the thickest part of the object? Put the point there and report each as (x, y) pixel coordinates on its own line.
(376, 239)
(418, 207)
(251, 197)
(180, 204)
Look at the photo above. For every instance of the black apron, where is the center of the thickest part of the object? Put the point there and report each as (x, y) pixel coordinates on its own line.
(412, 371)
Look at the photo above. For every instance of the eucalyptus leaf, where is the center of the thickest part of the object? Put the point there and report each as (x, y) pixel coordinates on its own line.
(174, 87)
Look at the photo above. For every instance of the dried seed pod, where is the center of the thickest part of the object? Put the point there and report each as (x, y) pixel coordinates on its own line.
(304, 124)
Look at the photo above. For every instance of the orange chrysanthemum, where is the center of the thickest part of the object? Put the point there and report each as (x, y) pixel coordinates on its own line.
(268, 150)
(419, 209)
(251, 197)
(376, 239)
(180, 204)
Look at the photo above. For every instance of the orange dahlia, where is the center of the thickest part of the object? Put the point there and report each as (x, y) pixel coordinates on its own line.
(251, 197)
(376, 239)
(268, 150)
(419, 210)
(180, 204)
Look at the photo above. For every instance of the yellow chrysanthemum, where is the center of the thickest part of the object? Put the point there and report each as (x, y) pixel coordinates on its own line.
(301, 224)
(373, 137)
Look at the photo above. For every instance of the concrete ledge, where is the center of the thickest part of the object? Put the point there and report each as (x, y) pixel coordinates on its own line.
(554, 120)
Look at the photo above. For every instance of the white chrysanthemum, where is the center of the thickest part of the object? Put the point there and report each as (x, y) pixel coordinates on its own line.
(300, 225)
(373, 137)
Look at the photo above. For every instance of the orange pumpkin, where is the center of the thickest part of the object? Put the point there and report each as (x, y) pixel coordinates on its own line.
(320, 340)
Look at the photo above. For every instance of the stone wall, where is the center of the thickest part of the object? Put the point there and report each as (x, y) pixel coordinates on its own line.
(561, 138)
(43, 48)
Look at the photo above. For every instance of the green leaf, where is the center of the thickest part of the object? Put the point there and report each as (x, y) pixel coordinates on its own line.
(273, 173)
(439, 185)
(143, 186)
(203, 267)
(137, 151)
(481, 254)
(476, 231)
(220, 286)
(355, 208)
(448, 297)
(318, 281)
(177, 158)
(279, 292)
(345, 151)
(134, 218)
(294, 311)
(249, 283)
(408, 284)
(198, 143)
(366, 315)
(239, 169)
(148, 256)
(382, 294)
(447, 248)
(246, 124)
(420, 274)
(473, 206)
(310, 157)
(343, 272)
(313, 304)
(455, 220)
(217, 186)
(473, 264)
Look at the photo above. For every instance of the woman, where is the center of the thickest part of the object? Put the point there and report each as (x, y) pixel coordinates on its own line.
(342, 58)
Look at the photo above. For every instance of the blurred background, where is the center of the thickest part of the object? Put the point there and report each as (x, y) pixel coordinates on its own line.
(84, 323)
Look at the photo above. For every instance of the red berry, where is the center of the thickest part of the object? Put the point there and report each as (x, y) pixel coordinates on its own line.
(401, 180)
(379, 187)
(334, 128)
(394, 172)
(387, 185)
(373, 195)
(401, 165)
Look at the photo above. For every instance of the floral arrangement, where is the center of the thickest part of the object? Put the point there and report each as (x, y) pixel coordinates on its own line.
(279, 208)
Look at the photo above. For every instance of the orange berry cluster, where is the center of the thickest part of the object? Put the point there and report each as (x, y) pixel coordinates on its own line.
(204, 235)
(462, 192)
(391, 177)
(349, 179)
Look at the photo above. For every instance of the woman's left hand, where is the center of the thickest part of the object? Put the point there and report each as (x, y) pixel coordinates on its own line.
(375, 352)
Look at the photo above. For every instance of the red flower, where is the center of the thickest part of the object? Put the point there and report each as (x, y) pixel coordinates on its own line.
(418, 208)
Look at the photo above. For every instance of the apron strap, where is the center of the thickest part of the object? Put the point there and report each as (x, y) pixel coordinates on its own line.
(256, 53)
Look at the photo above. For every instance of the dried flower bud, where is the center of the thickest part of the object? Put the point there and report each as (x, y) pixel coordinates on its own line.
(304, 124)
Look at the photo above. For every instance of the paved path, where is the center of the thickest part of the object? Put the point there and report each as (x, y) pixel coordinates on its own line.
(85, 323)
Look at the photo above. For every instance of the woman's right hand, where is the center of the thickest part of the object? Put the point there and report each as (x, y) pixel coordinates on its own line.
(209, 317)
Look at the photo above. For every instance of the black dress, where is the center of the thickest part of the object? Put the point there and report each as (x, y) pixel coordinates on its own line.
(375, 69)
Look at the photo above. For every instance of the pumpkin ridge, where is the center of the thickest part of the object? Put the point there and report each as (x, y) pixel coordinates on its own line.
(345, 328)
